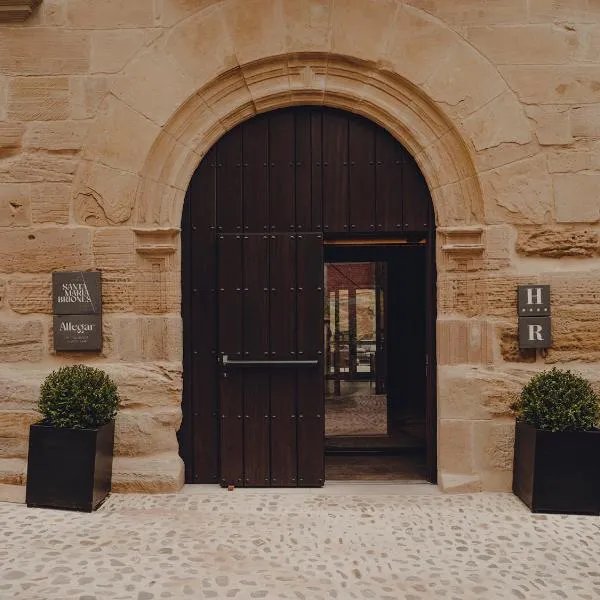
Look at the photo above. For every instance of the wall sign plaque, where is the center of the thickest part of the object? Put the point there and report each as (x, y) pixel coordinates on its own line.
(77, 332)
(77, 302)
(533, 307)
(76, 293)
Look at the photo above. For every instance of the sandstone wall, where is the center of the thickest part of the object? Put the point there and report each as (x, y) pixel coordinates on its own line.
(106, 107)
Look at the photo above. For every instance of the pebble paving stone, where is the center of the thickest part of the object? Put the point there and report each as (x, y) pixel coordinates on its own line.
(384, 542)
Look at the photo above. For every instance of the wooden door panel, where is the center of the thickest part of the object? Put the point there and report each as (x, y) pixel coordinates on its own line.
(316, 148)
(255, 175)
(202, 301)
(256, 297)
(229, 182)
(335, 172)
(362, 176)
(311, 415)
(281, 171)
(283, 427)
(282, 296)
(232, 427)
(230, 295)
(415, 196)
(256, 428)
(303, 170)
(388, 181)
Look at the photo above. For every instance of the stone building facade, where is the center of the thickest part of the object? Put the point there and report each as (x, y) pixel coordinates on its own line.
(107, 107)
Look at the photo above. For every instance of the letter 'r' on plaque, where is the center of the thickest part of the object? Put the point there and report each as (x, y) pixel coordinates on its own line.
(77, 293)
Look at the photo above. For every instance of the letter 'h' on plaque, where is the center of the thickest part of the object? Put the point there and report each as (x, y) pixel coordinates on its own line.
(535, 330)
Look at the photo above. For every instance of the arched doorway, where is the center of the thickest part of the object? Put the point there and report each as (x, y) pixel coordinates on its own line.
(278, 205)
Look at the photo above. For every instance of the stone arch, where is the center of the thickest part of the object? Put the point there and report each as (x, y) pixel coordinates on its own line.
(392, 63)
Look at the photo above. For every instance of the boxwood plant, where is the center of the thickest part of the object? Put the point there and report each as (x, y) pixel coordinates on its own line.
(78, 397)
(558, 400)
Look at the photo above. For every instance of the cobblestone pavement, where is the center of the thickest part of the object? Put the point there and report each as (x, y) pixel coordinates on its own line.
(346, 541)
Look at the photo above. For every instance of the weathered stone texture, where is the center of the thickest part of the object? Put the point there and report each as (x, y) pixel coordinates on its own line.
(509, 346)
(157, 473)
(148, 338)
(520, 192)
(45, 250)
(557, 243)
(13, 471)
(15, 205)
(87, 94)
(553, 124)
(38, 98)
(54, 51)
(493, 443)
(140, 433)
(58, 136)
(575, 333)
(464, 341)
(30, 294)
(11, 135)
(455, 440)
(50, 203)
(117, 291)
(37, 167)
(21, 341)
(14, 431)
(113, 49)
(577, 197)
(110, 14)
(113, 249)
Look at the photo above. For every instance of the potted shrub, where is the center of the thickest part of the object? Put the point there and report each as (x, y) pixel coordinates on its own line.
(71, 449)
(557, 446)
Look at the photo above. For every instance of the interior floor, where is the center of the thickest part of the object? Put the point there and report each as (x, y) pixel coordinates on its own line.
(408, 466)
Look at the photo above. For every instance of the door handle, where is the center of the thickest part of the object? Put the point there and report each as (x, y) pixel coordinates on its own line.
(227, 362)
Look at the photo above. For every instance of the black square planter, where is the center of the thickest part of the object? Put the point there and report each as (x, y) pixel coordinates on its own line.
(557, 472)
(69, 468)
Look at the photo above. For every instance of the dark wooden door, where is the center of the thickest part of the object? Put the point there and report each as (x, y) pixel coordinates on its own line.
(256, 214)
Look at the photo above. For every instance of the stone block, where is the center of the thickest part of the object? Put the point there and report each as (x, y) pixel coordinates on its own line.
(50, 203)
(45, 250)
(519, 192)
(559, 84)
(457, 483)
(87, 93)
(11, 135)
(15, 423)
(113, 249)
(30, 294)
(572, 288)
(121, 137)
(157, 473)
(148, 338)
(563, 11)
(500, 121)
(147, 386)
(307, 25)
(53, 50)
(201, 46)
(13, 471)
(21, 341)
(12, 493)
(558, 243)
(525, 44)
(2, 292)
(494, 444)
(117, 291)
(38, 99)
(462, 12)
(581, 156)
(586, 121)
(15, 205)
(104, 196)
(576, 197)
(57, 136)
(455, 446)
(461, 294)
(552, 124)
(464, 341)
(38, 167)
(170, 12)
(112, 49)
(575, 333)
(501, 294)
(110, 14)
(21, 385)
(139, 433)
(477, 393)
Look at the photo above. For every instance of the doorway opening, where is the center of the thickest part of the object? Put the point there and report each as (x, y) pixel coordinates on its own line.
(281, 203)
(376, 361)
